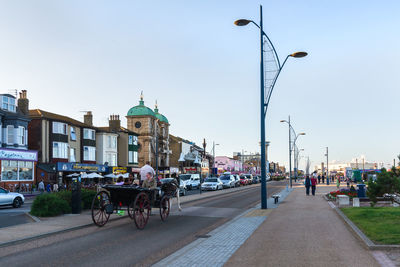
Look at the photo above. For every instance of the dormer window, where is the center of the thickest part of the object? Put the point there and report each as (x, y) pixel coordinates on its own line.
(8, 103)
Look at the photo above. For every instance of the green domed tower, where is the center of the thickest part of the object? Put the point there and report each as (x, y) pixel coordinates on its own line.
(146, 122)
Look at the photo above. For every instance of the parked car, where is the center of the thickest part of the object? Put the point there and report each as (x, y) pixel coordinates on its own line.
(249, 178)
(243, 180)
(9, 198)
(228, 180)
(237, 180)
(212, 183)
(190, 181)
(256, 179)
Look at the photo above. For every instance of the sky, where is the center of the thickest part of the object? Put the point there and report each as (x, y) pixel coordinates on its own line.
(76, 56)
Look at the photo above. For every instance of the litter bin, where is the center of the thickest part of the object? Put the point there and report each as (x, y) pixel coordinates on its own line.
(361, 191)
(76, 196)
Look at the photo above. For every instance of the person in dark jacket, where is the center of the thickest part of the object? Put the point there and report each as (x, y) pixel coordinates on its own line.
(307, 183)
(319, 179)
(323, 179)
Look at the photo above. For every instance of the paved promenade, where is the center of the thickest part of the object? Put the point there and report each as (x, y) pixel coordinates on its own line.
(303, 231)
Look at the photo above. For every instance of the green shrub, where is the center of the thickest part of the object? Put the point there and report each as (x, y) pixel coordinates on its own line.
(386, 182)
(87, 198)
(54, 204)
(48, 205)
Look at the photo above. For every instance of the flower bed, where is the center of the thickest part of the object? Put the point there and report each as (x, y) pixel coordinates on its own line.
(347, 192)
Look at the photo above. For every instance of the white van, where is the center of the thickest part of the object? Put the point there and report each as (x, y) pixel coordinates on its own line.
(190, 181)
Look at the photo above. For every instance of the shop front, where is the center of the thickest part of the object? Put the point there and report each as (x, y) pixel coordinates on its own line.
(66, 170)
(17, 169)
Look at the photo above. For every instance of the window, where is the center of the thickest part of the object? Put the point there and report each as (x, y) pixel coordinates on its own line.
(112, 141)
(60, 150)
(72, 155)
(130, 142)
(111, 158)
(133, 157)
(8, 103)
(89, 153)
(59, 128)
(89, 134)
(12, 170)
(10, 134)
(135, 140)
(73, 134)
(21, 136)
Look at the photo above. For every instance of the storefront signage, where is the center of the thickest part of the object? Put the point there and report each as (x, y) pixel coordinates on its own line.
(190, 169)
(119, 170)
(79, 167)
(174, 170)
(13, 154)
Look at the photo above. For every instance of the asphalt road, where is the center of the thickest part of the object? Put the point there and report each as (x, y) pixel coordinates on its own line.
(10, 216)
(119, 243)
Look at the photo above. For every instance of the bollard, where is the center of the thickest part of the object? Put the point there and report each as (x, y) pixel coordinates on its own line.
(76, 196)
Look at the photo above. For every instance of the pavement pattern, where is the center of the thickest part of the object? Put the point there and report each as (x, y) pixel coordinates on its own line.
(215, 248)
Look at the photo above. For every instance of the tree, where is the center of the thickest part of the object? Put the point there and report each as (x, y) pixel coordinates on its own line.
(387, 182)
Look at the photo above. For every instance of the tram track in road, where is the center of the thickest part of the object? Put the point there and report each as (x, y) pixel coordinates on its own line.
(120, 243)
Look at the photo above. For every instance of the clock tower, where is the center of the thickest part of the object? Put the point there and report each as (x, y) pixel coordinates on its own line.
(144, 121)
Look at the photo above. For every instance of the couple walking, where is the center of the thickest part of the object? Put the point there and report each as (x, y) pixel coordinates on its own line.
(310, 183)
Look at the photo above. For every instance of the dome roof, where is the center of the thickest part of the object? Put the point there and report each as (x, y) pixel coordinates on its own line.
(161, 117)
(141, 110)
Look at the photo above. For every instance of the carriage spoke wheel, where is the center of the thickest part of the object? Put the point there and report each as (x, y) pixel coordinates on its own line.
(141, 211)
(164, 208)
(99, 202)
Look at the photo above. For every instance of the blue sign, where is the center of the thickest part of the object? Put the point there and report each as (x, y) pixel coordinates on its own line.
(80, 167)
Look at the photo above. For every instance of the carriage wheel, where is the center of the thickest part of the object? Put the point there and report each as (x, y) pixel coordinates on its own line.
(99, 202)
(141, 210)
(164, 208)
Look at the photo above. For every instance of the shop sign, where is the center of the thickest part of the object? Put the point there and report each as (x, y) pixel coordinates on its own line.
(79, 167)
(119, 170)
(14, 154)
(190, 169)
(174, 170)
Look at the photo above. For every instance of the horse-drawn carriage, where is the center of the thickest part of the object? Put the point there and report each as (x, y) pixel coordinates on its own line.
(137, 200)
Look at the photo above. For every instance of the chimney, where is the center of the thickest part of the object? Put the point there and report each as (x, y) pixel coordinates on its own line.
(114, 123)
(23, 103)
(88, 118)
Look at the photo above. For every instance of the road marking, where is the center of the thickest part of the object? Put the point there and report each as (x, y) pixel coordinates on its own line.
(331, 204)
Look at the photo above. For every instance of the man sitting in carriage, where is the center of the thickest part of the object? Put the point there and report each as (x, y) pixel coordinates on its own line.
(150, 182)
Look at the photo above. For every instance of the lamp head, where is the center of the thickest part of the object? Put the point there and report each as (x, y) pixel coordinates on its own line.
(302, 133)
(283, 120)
(242, 22)
(299, 54)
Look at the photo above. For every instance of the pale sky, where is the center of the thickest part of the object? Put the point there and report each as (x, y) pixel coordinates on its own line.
(75, 56)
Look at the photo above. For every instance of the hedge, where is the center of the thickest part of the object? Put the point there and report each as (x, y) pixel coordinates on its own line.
(47, 205)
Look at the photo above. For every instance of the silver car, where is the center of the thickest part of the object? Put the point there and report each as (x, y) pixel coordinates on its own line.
(212, 183)
(228, 180)
(9, 198)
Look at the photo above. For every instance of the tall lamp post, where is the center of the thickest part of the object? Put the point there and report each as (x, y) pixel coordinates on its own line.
(291, 148)
(264, 99)
(213, 165)
(296, 164)
(296, 154)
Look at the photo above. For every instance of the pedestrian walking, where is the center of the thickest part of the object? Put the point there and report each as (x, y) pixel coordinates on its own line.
(55, 187)
(48, 188)
(319, 179)
(348, 182)
(313, 185)
(41, 187)
(337, 183)
(323, 178)
(307, 183)
(144, 171)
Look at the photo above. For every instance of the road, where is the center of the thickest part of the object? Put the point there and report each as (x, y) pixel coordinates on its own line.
(10, 216)
(119, 243)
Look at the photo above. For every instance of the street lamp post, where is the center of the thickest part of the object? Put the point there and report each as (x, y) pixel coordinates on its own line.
(213, 165)
(292, 148)
(264, 101)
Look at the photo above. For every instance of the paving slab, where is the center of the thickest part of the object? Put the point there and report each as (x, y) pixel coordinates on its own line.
(303, 231)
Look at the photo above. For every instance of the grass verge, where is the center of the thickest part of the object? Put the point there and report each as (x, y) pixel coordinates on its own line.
(380, 224)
